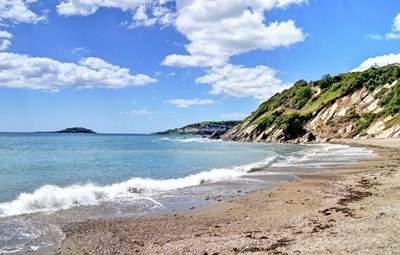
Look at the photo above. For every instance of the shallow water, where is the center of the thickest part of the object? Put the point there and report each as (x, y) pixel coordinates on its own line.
(47, 180)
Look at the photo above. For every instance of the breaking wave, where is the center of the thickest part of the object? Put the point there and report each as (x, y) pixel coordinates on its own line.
(189, 140)
(50, 198)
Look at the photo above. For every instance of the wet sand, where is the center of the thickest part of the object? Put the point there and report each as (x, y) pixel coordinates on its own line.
(351, 210)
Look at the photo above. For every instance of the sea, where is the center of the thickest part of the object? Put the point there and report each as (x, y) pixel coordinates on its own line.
(48, 180)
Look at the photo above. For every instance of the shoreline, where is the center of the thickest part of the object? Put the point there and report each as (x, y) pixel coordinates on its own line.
(337, 211)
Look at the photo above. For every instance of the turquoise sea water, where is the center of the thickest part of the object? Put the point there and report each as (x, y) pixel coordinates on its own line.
(30, 161)
(46, 178)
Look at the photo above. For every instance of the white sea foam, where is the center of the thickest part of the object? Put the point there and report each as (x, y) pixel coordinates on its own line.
(189, 140)
(54, 198)
(319, 155)
(10, 250)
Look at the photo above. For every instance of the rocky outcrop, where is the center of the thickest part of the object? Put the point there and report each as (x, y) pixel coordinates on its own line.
(213, 129)
(215, 136)
(352, 105)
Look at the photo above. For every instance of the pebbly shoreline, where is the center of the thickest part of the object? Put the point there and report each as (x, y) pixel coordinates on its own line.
(351, 210)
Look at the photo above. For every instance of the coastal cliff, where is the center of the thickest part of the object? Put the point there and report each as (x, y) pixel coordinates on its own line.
(350, 105)
(206, 128)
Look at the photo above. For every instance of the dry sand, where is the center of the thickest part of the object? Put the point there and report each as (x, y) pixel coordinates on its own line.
(352, 210)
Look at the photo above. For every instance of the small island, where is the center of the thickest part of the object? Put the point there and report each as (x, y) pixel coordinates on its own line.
(76, 130)
(73, 130)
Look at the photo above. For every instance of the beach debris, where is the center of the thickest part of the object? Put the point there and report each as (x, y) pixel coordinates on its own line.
(368, 183)
(353, 195)
(346, 211)
(320, 227)
(282, 242)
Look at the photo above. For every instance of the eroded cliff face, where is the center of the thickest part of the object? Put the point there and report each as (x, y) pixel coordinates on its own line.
(333, 121)
(352, 105)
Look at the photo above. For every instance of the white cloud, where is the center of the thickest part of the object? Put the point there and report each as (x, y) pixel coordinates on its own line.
(23, 71)
(259, 82)
(5, 34)
(87, 7)
(146, 15)
(184, 103)
(216, 29)
(80, 50)
(144, 12)
(393, 35)
(17, 11)
(378, 62)
(219, 29)
(396, 23)
(234, 116)
(5, 42)
(138, 113)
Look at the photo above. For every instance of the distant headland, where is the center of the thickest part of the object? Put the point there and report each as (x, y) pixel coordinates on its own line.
(73, 130)
(212, 129)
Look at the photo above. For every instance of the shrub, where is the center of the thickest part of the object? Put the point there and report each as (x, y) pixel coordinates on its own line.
(352, 114)
(364, 122)
(374, 78)
(267, 121)
(303, 94)
(325, 82)
(293, 124)
(391, 101)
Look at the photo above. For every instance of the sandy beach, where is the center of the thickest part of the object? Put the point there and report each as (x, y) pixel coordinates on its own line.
(351, 210)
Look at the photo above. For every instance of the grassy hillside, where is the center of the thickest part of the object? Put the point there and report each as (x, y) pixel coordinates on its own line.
(293, 108)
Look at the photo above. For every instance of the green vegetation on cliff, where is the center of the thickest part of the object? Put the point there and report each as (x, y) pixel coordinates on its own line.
(203, 128)
(292, 109)
(391, 101)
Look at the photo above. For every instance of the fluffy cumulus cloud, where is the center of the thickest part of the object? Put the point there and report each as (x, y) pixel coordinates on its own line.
(393, 35)
(18, 11)
(378, 62)
(185, 103)
(87, 7)
(148, 15)
(23, 71)
(219, 29)
(216, 30)
(144, 12)
(5, 40)
(259, 82)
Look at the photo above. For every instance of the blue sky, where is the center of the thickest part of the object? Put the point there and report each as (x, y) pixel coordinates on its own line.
(139, 66)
